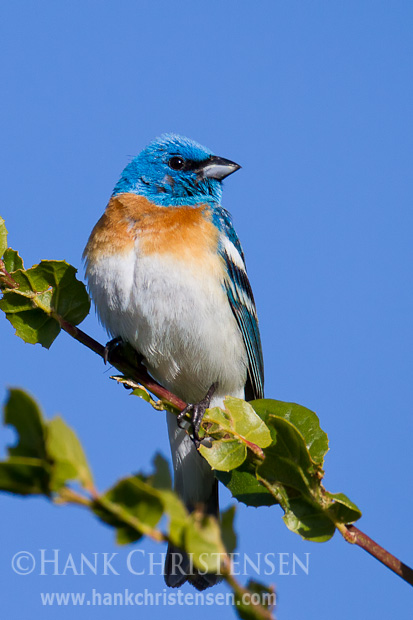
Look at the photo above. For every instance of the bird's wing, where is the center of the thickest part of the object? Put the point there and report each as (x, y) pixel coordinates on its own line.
(242, 305)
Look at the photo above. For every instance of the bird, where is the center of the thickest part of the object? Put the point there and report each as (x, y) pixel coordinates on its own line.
(166, 271)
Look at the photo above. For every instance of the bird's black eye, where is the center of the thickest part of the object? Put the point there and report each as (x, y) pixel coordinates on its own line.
(176, 163)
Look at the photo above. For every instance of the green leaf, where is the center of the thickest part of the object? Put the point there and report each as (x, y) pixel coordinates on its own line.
(161, 478)
(244, 486)
(135, 505)
(132, 506)
(24, 476)
(202, 539)
(233, 429)
(69, 299)
(12, 260)
(3, 237)
(244, 606)
(287, 461)
(21, 280)
(229, 536)
(291, 475)
(33, 326)
(239, 419)
(307, 518)
(68, 458)
(342, 510)
(172, 505)
(224, 454)
(13, 303)
(178, 516)
(306, 422)
(26, 470)
(44, 290)
(140, 391)
(218, 420)
(294, 478)
(246, 422)
(22, 412)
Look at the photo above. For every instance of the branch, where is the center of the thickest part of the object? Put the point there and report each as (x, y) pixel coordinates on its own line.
(131, 367)
(350, 533)
(357, 537)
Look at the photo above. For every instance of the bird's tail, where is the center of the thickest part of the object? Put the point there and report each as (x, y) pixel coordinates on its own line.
(196, 485)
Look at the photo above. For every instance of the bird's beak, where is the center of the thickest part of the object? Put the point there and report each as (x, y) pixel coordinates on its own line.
(217, 168)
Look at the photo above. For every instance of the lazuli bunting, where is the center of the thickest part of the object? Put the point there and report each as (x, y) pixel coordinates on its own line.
(167, 274)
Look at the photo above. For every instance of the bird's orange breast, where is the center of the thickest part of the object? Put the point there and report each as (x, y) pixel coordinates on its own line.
(184, 232)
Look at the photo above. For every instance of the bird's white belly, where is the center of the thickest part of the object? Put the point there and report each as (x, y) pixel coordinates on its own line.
(178, 317)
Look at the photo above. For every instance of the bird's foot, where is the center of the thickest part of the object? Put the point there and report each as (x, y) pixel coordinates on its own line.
(197, 412)
(110, 348)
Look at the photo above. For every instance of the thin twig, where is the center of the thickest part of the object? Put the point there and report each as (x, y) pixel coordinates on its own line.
(357, 537)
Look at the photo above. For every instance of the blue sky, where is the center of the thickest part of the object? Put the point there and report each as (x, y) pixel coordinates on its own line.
(314, 100)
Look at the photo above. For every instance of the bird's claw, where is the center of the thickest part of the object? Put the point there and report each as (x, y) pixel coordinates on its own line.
(110, 348)
(197, 412)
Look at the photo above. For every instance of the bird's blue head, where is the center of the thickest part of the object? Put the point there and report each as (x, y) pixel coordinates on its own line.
(173, 171)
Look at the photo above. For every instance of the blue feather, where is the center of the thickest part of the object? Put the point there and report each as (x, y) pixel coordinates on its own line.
(242, 304)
